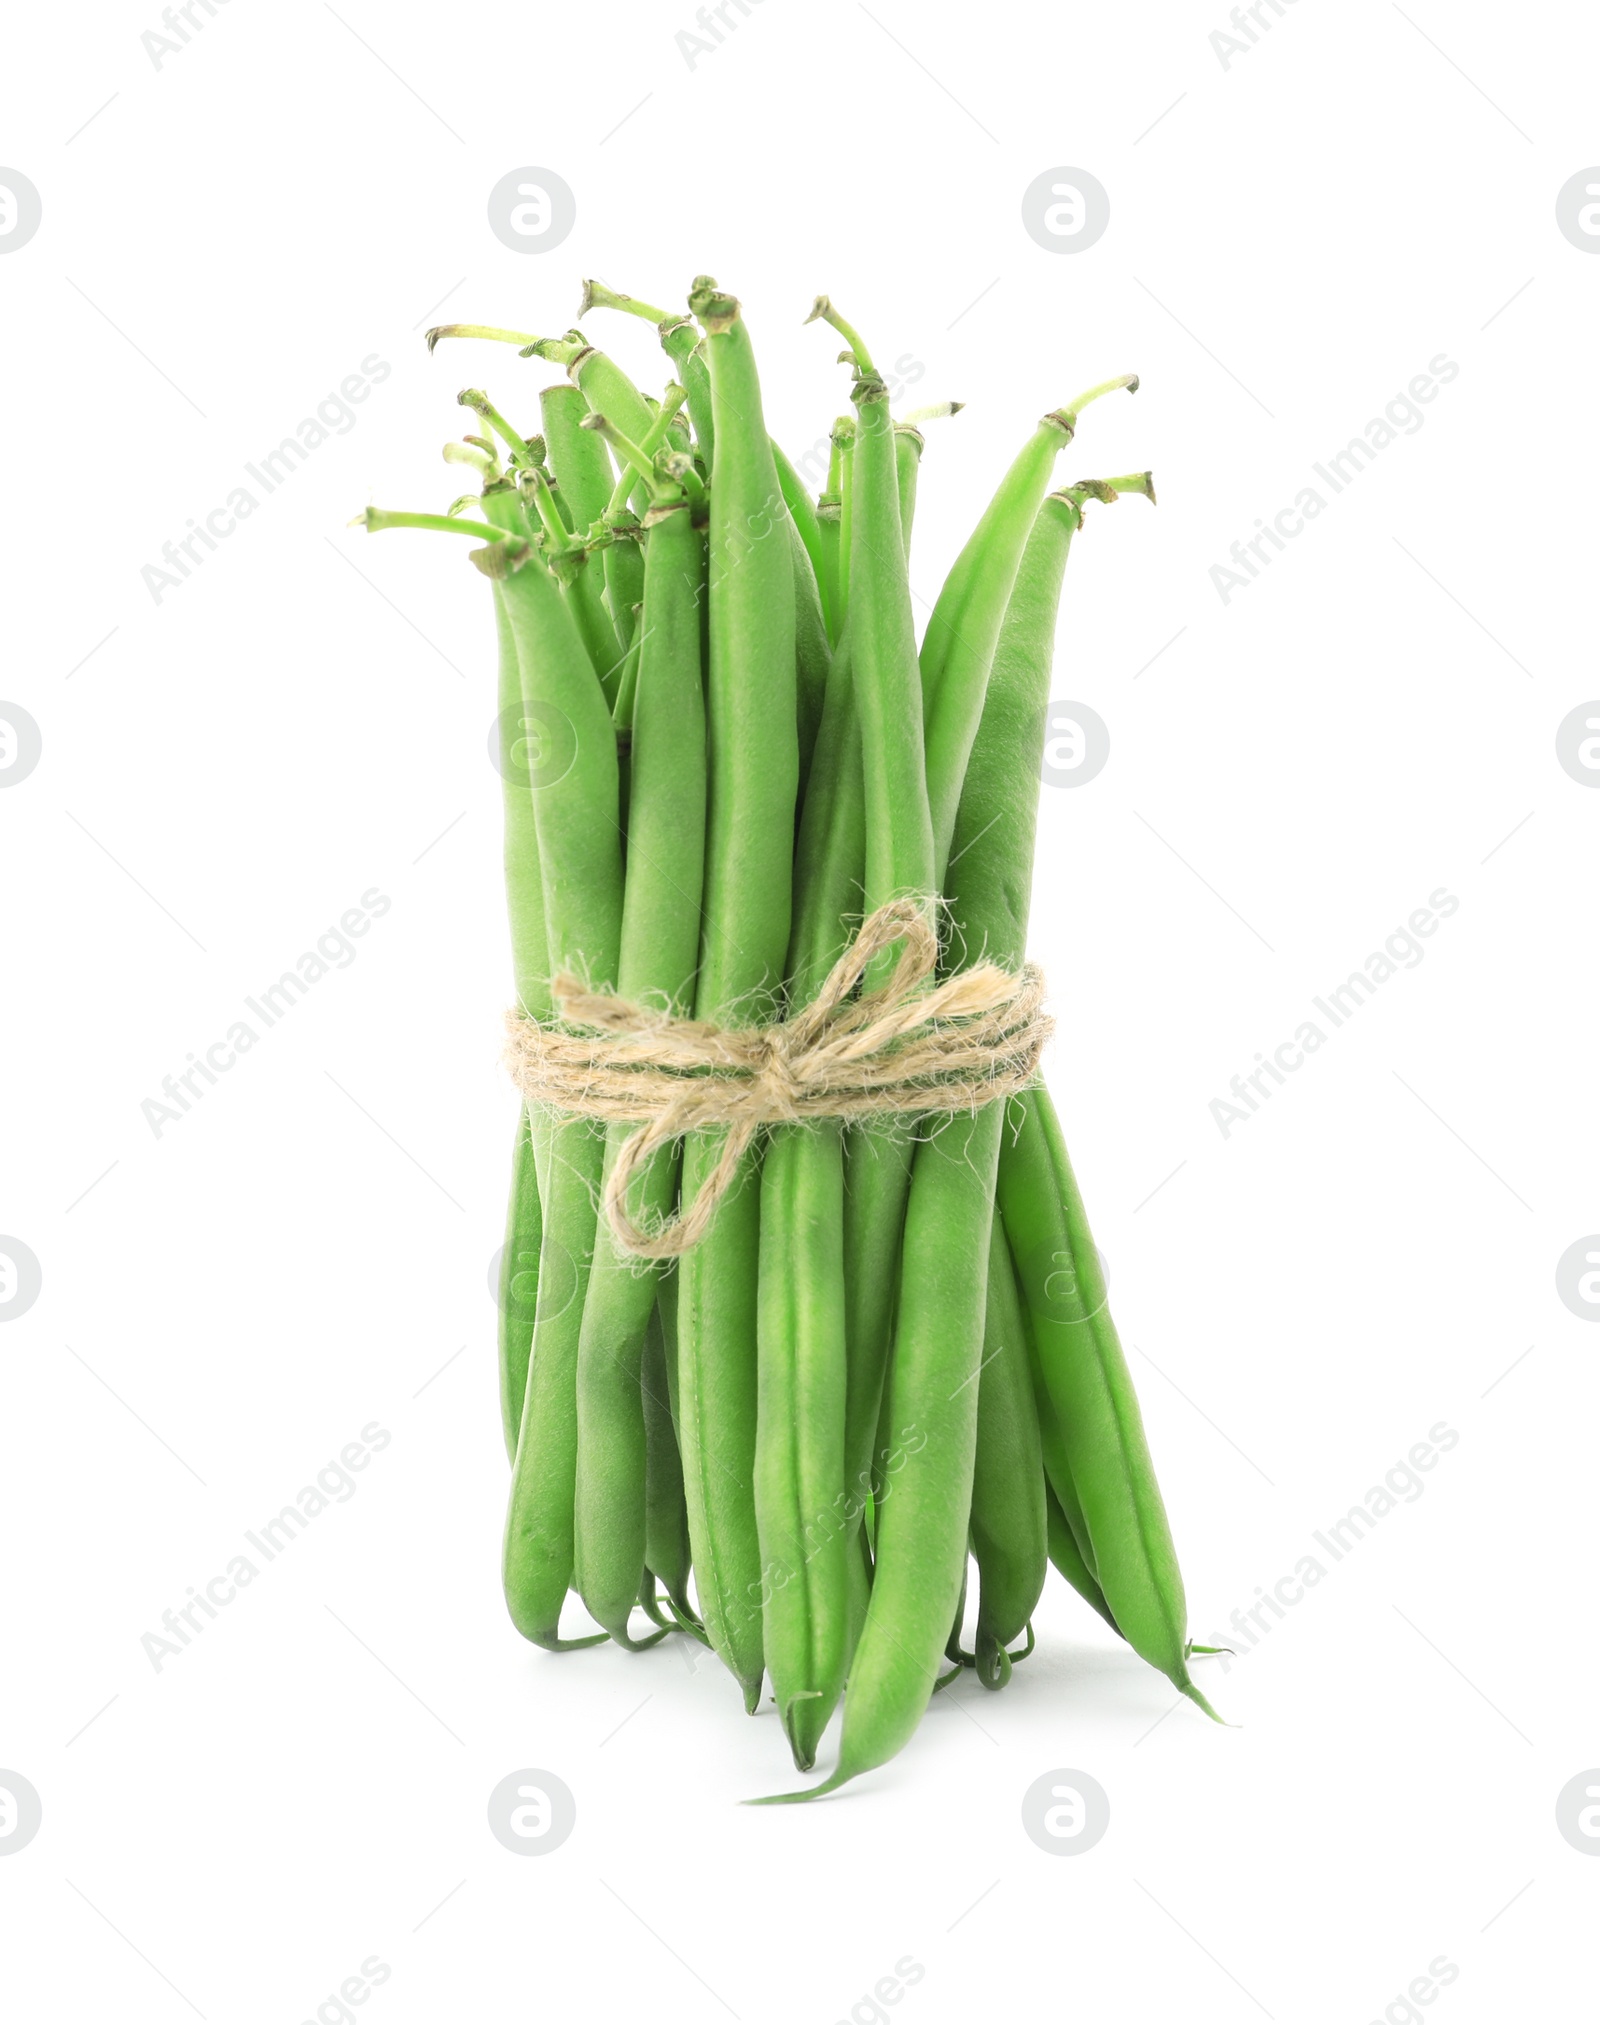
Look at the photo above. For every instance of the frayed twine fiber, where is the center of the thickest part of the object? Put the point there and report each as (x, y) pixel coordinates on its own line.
(901, 1050)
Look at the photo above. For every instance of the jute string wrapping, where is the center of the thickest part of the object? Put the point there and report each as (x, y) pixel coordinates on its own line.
(905, 1049)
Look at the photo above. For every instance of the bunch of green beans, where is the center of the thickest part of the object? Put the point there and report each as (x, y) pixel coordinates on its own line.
(722, 746)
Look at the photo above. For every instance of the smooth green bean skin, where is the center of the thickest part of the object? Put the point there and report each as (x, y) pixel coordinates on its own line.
(1053, 1448)
(666, 1530)
(877, 1174)
(812, 654)
(622, 566)
(899, 864)
(753, 783)
(518, 1291)
(831, 840)
(994, 835)
(1127, 1542)
(680, 341)
(877, 1177)
(608, 391)
(907, 464)
(998, 814)
(828, 586)
(519, 1259)
(887, 683)
(801, 1505)
(933, 1392)
(576, 823)
(584, 589)
(959, 643)
(659, 941)
(1068, 1561)
(578, 458)
(803, 512)
(813, 1577)
(1008, 1508)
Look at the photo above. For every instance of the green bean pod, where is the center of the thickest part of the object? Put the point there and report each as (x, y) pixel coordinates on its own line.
(753, 783)
(813, 1577)
(964, 626)
(622, 566)
(1068, 1561)
(927, 1480)
(579, 460)
(1092, 1392)
(899, 851)
(801, 1508)
(908, 447)
(1129, 1544)
(812, 653)
(659, 941)
(517, 1291)
(609, 392)
(666, 1528)
(519, 1258)
(1053, 1450)
(803, 512)
(1008, 1507)
(681, 342)
(575, 799)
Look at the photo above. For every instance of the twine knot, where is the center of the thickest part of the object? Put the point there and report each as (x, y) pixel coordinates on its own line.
(909, 1047)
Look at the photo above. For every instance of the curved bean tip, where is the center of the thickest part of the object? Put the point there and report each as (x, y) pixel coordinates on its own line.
(829, 1785)
(1188, 1688)
(820, 307)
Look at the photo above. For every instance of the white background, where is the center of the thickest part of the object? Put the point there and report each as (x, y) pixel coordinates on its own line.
(1293, 237)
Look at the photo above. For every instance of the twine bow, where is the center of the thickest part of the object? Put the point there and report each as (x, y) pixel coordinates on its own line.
(904, 1049)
